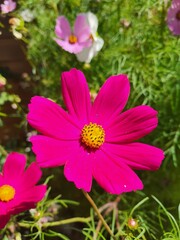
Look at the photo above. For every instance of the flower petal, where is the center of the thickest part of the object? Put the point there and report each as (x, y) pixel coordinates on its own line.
(13, 167)
(4, 220)
(137, 155)
(132, 125)
(93, 22)
(21, 207)
(82, 30)
(72, 48)
(87, 54)
(28, 199)
(62, 28)
(50, 119)
(31, 176)
(113, 175)
(33, 194)
(1, 179)
(98, 44)
(76, 95)
(51, 152)
(78, 169)
(111, 99)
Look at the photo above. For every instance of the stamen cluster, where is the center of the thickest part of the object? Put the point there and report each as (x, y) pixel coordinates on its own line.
(93, 135)
(6, 193)
(72, 39)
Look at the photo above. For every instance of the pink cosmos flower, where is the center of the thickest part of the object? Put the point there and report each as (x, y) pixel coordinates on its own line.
(94, 140)
(73, 41)
(173, 17)
(18, 190)
(8, 6)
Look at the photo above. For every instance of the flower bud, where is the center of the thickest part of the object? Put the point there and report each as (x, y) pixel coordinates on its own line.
(132, 223)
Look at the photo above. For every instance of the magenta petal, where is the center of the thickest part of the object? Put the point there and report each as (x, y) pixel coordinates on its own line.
(111, 99)
(28, 199)
(51, 152)
(132, 125)
(4, 220)
(34, 194)
(14, 167)
(76, 95)
(21, 207)
(62, 29)
(82, 29)
(137, 155)
(78, 169)
(113, 175)
(1, 179)
(50, 119)
(31, 176)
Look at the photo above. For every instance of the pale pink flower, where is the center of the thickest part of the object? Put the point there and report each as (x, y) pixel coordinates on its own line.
(8, 6)
(74, 40)
(18, 189)
(173, 17)
(94, 140)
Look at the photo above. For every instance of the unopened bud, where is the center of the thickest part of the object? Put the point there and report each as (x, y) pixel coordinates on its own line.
(132, 223)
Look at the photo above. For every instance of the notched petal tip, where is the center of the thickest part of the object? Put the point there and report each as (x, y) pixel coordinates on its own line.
(71, 71)
(76, 94)
(16, 161)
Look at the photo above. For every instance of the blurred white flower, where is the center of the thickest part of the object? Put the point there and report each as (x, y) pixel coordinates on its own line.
(87, 54)
(15, 22)
(17, 34)
(17, 26)
(14, 106)
(27, 15)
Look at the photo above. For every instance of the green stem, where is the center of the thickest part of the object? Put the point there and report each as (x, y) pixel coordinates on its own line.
(67, 221)
(99, 214)
(57, 223)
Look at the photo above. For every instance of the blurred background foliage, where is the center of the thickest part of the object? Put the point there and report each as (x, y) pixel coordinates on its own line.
(137, 42)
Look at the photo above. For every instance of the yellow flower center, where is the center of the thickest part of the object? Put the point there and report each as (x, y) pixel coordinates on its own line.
(72, 39)
(6, 193)
(91, 37)
(93, 135)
